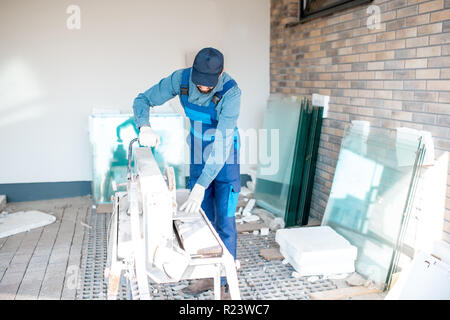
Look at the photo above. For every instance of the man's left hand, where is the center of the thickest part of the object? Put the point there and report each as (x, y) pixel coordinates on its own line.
(194, 202)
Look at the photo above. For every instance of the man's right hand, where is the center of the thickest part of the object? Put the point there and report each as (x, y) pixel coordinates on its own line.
(148, 137)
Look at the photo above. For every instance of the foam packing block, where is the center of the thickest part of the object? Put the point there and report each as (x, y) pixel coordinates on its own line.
(315, 245)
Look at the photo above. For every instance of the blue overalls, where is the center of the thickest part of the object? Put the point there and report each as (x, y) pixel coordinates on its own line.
(221, 196)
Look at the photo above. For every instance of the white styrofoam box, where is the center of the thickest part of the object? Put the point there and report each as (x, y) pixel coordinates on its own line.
(23, 221)
(345, 266)
(315, 245)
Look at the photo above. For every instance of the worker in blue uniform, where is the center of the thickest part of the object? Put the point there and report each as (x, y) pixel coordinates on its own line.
(211, 100)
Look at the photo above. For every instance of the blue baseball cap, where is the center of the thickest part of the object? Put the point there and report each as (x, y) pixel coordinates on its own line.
(208, 65)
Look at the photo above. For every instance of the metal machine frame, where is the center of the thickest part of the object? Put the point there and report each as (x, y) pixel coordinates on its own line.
(128, 243)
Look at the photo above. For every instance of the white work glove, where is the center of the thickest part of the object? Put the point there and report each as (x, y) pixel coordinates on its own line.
(148, 137)
(194, 202)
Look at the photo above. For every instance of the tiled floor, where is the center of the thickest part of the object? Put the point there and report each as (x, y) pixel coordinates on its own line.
(44, 262)
(66, 260)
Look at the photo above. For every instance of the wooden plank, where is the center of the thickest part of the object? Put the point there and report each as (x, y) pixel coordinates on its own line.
(355, 280)
(271, 254)
(114, 281)
(249, 226)
(104, 208)
(313, 222)
(343, 293)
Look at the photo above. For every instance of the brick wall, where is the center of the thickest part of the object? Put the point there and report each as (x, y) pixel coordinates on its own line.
(396, 75)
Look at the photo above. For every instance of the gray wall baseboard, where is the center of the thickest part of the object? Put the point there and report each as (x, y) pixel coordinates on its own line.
(16, 192)
(44, 190)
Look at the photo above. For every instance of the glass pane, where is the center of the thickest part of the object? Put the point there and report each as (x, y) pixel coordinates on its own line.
(369, 194)
(272, 186)
(311, 147)
(110, 135)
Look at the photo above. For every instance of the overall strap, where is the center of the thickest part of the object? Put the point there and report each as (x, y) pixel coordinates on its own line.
(205, 114)
(219, 94)
(184, 89)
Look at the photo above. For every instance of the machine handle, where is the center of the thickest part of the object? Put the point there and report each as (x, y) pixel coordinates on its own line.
(130, 152)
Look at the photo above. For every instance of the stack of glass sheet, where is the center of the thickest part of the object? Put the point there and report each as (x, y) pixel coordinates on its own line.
(110, 135)
(370, 198)
(304, 164)
(286, 192)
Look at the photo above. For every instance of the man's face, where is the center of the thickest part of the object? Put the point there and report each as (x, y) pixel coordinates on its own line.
(204, 89)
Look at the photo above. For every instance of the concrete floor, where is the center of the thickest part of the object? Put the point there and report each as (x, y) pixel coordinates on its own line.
(45, 263)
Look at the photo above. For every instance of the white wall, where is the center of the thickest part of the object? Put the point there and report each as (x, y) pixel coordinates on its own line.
(52, 77)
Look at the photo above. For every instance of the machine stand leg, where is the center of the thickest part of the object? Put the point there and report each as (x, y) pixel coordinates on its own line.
(114, 281)
(217, 283)
(233, 284)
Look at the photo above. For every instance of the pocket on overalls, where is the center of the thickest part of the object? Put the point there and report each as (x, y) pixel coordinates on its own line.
(231, 169)
(233, 197)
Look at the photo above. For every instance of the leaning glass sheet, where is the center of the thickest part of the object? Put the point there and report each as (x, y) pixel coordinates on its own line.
(110, 135)
(369, 194)
(276, 155)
